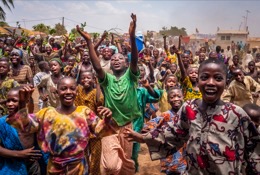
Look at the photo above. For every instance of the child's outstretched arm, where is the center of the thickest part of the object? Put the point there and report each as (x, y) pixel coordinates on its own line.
(150, 90)
(93, 56)
(134, 51)
(182, 68)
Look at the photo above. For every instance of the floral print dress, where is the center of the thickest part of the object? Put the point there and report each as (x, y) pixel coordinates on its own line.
(218, 141)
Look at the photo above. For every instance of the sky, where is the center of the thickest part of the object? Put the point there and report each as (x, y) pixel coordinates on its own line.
(99, 15)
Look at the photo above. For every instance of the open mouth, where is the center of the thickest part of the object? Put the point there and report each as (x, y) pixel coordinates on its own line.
(210, 92)
(68, 98)
(116, 65)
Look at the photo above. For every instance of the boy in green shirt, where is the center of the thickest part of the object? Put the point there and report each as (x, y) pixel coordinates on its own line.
(120, 89)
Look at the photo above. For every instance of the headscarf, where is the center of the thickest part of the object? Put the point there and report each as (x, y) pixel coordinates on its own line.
(58, 61)
(20, 53)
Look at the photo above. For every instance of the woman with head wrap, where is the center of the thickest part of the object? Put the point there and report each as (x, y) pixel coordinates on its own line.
(21, 73)
(48, 85)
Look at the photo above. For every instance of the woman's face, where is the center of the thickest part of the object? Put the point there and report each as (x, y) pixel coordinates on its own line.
(67, 91)
(15, 58)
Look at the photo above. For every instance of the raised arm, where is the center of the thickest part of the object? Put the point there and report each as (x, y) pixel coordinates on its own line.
(104, 35)
(182, 68)
(93, 56)
(134, 51)
(164, 44)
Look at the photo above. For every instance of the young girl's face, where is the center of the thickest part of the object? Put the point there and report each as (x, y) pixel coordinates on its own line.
(71, 61)
(212, 80)
(55, 67)
(142, 72)
(87, 80)
(171, 82)
(12, 102)
(4, 68)
(173, 68)
(67, 90)
(193, 74)
(175, 98)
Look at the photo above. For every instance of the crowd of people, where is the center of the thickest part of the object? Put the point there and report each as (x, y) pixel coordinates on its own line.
(197, 111)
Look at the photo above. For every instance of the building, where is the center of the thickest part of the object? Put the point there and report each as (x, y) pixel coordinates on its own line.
(225, 37)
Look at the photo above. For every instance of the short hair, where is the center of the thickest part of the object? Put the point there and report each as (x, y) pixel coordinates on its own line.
(63, 78)
(213, 61)
(174, 88)
(251, 110)
(168, 76)
(15, 89)
(42, 64)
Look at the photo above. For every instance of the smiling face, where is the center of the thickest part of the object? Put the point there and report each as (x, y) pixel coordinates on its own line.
(67, 91)
(15, 58)
(85, 57)
(202, 57)
(4, 67)
(238, 75)
(118, 63)
(175, 98)
(87, 80)
(193, 74)
(12, 102)
(71, 61)
(212, 80)
(107, 53)
(55, 67)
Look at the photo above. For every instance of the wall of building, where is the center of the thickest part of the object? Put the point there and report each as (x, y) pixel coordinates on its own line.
(225, 40)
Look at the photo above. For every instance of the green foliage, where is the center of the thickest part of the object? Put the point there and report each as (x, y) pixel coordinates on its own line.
(60, 29)
(42, 28)
(82, 25)
(73, 34)
(8, 4)
(3, 24)
(173, 31)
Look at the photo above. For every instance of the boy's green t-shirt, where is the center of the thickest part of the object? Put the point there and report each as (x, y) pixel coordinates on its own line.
(121, 96)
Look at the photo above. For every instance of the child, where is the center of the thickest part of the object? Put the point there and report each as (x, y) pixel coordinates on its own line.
(91, 97)
(218, 135)
(63, 131)
(71, 64)
(17, 152)
(33, 65)
(174, 163)
(189, 79)
(253, 71)
(170, 82)
(44, 70)
(48, 85)
(242, 90)
(253, 111)
(6, 84)
(121, 97)
(145, 94)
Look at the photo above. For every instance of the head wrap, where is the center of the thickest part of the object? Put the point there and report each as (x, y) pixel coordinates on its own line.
(58, 61)
(48, 45)
(20, 53)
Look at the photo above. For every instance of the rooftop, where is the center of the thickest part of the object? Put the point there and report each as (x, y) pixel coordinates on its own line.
(237, 32)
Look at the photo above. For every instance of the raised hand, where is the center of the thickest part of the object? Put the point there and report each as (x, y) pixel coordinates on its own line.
(132, 26)
(131, 136)
(24, 95)
(85, 35)
(104, 35)
(145, 82)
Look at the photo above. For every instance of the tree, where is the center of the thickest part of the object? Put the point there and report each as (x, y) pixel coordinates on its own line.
(42, 28)
(8, 4)
(173, 31)
(60, 29)
(3, 24)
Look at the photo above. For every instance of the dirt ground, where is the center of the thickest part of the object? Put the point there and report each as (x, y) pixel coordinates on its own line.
(147, 167)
